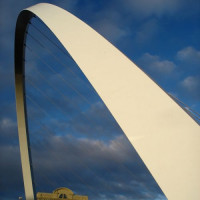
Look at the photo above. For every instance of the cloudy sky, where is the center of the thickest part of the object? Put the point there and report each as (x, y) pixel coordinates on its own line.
(75, 141)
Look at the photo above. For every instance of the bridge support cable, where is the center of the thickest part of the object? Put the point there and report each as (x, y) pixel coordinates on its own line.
(79, 110)
(119, 83)
(120, 164)
(58, 159)
(61, 63)
(188, 109)
(60, 76)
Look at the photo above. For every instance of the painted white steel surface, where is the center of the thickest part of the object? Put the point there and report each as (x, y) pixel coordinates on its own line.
(26, 168)
(166, 137)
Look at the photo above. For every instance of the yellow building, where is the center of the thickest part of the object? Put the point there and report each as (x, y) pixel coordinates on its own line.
(60, 193)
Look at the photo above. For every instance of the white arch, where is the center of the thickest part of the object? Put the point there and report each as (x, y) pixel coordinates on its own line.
(164, 135)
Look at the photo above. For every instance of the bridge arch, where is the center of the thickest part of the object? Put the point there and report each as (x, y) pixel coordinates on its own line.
(164, 135)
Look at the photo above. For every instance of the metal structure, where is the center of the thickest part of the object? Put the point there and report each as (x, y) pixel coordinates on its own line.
(164, 135)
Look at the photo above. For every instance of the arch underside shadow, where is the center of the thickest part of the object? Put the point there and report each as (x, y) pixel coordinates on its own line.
(164, 135)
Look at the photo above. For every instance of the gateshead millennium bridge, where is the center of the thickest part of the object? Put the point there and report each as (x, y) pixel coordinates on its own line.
(161, 128)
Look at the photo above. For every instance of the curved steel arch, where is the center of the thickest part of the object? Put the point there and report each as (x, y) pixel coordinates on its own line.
(164, 135)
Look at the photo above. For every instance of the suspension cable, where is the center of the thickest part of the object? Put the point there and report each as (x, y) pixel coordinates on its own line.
(187, 108)
(61, 77)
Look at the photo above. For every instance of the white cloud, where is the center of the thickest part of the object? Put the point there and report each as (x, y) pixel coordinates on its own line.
(191, 83)
(8, 131)
(147, 31)
(7, 123)
(189, 55)
(146, 8)
(67, 5)
(110, 23)
(154, 64)
(91, 162)
(141, 9)
(110, 30)
(117, 150)
(191, 86)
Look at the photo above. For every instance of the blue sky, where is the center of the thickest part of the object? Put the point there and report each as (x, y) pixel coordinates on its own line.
(160, 36)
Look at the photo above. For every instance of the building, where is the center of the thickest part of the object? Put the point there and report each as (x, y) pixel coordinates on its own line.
(60, 193)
